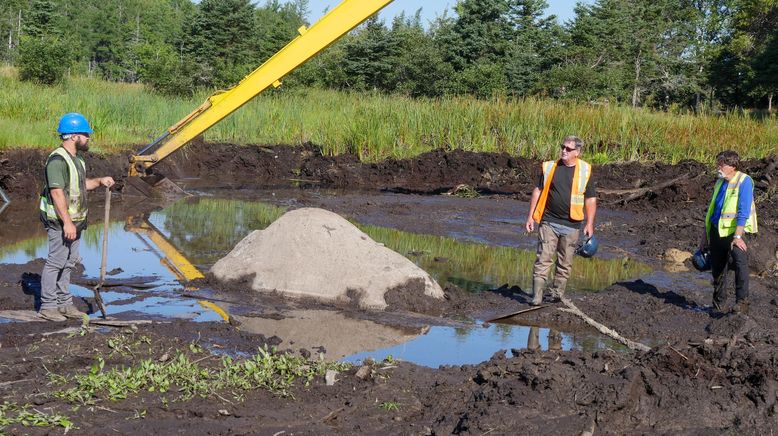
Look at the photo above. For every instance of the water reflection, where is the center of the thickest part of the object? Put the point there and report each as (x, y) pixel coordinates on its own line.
(465, 346)
(205, 229)
(327, 330)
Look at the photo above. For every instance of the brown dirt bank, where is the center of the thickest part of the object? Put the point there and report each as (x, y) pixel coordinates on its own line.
(433, 172)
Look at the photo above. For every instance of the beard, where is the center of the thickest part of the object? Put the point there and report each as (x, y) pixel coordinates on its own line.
(82, 145)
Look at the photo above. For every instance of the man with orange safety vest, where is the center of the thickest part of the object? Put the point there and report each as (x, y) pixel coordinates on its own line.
(731, 214)
(563, 198)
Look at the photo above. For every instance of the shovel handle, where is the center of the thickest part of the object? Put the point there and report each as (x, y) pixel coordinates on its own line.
(105, 233)
(106, 219)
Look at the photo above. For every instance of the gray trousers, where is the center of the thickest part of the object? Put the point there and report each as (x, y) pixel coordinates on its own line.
(55, 278)
(554, 239)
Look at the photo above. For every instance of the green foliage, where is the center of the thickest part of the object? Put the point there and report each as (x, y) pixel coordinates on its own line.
(163, 70)
(220, 40)
(12, 414)
(267, 370)
(43, 60)
(390, 406)
(41, 20)
(368, 56)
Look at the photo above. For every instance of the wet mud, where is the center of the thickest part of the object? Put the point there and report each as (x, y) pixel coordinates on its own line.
(706, 372)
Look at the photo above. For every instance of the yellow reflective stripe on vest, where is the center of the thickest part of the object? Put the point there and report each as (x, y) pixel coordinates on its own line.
(547, 167)
(76, 210)
(584, 171)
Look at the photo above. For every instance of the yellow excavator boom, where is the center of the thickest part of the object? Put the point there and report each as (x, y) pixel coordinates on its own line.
(336, 23)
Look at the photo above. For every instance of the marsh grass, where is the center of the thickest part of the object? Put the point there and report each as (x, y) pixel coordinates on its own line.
(375, 126)
(478, 266)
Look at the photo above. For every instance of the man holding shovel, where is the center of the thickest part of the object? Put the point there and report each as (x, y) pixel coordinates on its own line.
(63, 211)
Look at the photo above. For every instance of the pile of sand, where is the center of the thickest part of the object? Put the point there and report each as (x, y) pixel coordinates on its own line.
(316, 253)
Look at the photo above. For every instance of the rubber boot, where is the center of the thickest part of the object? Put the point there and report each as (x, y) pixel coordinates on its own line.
(537, 291)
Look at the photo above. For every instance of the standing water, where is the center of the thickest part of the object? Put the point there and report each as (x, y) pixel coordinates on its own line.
(202, 230)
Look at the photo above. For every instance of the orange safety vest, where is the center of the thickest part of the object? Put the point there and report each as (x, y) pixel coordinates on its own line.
(583, 170)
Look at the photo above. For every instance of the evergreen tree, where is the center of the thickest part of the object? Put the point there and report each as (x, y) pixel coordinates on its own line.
(41, 59)
(41, 19)
(369, 55)
(534, 45)
(220, 41)
(419, 68)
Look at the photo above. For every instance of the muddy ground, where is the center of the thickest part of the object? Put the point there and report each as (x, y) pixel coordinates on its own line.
(706, 373)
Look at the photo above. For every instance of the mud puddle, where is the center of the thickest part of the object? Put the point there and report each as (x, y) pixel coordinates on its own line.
(463, 346)
(173, 244)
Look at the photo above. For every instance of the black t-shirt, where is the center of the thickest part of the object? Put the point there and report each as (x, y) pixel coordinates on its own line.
(558, 202)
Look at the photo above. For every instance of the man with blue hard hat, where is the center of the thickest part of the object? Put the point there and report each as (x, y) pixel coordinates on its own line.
(562, 201)
(63, 211)
(731, 214)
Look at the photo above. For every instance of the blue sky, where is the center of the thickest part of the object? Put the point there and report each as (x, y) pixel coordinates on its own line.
(432, 8)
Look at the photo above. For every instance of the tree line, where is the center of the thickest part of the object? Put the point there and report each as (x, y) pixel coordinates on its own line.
(695, 55)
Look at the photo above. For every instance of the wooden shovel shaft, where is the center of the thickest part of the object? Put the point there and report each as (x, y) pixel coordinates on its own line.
(98, 297)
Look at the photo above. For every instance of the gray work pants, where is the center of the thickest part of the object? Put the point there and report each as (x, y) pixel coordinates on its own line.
(55, 278)
(560, 240)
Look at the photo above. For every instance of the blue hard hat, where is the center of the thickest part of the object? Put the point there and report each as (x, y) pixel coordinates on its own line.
(588, 247)
(701, 260)
(73, 123)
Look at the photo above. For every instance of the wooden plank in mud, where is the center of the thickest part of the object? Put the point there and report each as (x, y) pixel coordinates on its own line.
(32, 316)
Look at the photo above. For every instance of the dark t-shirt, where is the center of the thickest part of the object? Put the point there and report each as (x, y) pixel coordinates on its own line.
(558, 202)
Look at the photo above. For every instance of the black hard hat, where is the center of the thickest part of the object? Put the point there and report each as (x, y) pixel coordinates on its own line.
(701, 260)
(588, 247)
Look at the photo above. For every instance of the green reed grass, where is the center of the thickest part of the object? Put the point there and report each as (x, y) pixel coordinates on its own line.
(376, 126)
(478, 266)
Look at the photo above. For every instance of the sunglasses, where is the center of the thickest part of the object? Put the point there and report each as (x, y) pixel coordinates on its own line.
(568, 149)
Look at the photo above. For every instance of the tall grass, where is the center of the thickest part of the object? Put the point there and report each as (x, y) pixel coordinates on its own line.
(377, 126)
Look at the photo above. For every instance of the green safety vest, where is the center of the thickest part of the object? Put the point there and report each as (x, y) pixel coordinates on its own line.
(728, 219)
(77, 209)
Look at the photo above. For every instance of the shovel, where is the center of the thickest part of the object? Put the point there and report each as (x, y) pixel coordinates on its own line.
(98, 298)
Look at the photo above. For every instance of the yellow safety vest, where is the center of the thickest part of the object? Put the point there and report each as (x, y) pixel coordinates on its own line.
(728, 219)
(76, 209)
(580, 179)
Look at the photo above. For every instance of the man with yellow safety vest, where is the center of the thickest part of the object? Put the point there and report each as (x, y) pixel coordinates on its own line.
(731, 214)
(563, 198)
(63, 211)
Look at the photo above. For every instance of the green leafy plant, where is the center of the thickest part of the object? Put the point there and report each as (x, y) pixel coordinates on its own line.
(390, 406)
(14, 414)
(268, 370)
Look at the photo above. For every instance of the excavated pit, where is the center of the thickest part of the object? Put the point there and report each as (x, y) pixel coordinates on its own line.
(706, 373)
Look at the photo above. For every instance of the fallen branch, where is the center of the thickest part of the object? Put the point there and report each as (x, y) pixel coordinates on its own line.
(678, 352)
(4, 384)
(632, 345)
(636, 193)
(531, 309)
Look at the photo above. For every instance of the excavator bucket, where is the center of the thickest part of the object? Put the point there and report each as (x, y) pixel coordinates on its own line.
(153, 186)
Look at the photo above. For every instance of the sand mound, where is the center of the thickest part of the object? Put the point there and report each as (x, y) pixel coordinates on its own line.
(316, 253)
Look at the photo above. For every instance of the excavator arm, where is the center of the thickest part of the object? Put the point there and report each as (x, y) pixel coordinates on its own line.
(336, 23)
